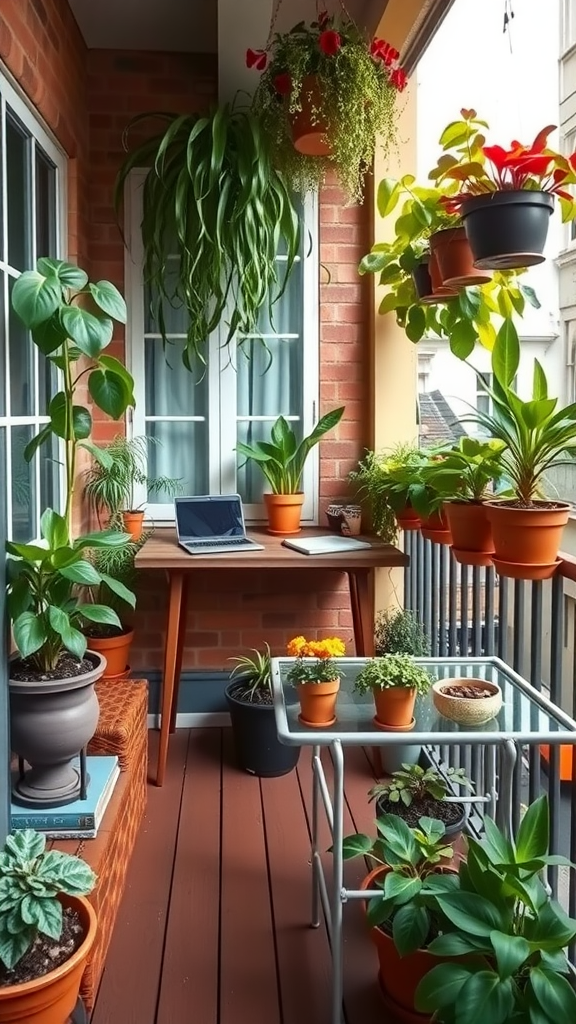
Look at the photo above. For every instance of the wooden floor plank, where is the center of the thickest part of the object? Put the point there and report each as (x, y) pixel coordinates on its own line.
(303, 952)
(248, 976)
(129, 988)
(189, 986)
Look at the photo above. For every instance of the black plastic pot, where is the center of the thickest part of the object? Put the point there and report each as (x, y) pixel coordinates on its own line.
(258, 749)
(507, 230)
(422, 279)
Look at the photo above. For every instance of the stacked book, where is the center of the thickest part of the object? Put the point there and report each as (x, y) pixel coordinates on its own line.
(78, 820)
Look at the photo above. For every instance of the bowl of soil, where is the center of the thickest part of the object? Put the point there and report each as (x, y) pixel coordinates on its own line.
(467, 701)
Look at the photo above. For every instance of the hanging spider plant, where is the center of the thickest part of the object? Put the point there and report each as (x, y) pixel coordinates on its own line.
(214, 200)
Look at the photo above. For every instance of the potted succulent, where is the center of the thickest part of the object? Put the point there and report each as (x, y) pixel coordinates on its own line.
(505, 938)
(399, 631)
(225, 224)
(378, 484)
(47, 929)
(412, 868)
(110, 483)
(316, 677)
(414, 792)
(538, 434)
(249, 699)
(394, 681)
(327, 99)
(505, 197)
(282, 462)
(466, 476)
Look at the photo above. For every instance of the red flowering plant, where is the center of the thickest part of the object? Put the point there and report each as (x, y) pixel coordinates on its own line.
(479, 169)
(353, 98)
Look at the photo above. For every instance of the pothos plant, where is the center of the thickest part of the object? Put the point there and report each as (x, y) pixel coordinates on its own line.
(465, 319)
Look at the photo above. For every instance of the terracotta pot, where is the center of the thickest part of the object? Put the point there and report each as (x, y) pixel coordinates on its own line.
(308, 128)
(408, 519)
(399, 977)
(454, 258)
(284, 512)
(395, 705)
(51, 998)
(116, 650)
(469, 525)
(318, 703)
(133, 524)
(440, 290)
(436, 528)
(526, 540)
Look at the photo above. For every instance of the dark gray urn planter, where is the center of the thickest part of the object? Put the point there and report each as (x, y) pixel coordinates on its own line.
(258, 749)
(50, 723)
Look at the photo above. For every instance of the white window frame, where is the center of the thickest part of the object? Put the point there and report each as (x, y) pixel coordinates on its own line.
(221, 371)
(12, 97)
(567, 27)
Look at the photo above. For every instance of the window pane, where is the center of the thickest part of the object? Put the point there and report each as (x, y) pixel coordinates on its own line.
(182, 454)
(270, 384)
(45, 205)
(24, 524)
(18, 187)
(175, 318)
(171, 390)
(50, 473)
(21, 366)
(2, 349)
(3, 493)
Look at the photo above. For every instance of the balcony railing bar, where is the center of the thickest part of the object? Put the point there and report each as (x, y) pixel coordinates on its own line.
(489, 624)
(536, 680)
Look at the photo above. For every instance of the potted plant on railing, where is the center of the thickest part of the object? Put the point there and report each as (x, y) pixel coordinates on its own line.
(408, 487)
(379, 487)
(505, 197)
(316, 677)
(506, 939)
(414, 792)
(282, 461)
(394, 680)
(466, 476)
(527, 527)
(327, 98)
(110, 484)
(412, 867)
(203, 203)
(47, 929)
(249, 699)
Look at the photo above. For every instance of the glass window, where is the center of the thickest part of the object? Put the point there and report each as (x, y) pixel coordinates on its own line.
(199, 417)
(31, 173)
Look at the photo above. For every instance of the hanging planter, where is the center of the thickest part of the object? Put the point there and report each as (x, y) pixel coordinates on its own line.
(472, 541)
(527, 540)
(454, 258)
(327, 100)
(435, 528)
(440, 290)
(408, 519)
(422, 280)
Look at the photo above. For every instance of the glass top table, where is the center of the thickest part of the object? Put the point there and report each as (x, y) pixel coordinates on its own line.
(526, 716)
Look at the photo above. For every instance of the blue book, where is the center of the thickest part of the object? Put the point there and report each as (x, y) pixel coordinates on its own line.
(83, 817)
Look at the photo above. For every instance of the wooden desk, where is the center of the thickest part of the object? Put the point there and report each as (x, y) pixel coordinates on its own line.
(162, 552)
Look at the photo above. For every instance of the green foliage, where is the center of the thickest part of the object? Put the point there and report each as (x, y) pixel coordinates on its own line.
(214, 199)
(369, 478)
(50, 301)
(414, 856)
(43, 603)
(282, 459)
(110, 481)
(253, 672)
(469, 471)
(500, 914)
(391, 671)
(537, 434)
(400, 632)
(31, 878)
(395, 479)
(357, 104)
(116, 563)
(415, 783)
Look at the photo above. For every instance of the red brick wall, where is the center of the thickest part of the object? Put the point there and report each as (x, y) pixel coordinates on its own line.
(87, 98)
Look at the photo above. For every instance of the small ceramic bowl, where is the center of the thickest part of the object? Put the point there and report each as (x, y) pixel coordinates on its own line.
(467, 710)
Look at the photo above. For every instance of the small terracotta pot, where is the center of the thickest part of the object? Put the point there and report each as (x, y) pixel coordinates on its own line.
(526, 540)
(133, 524)
(318, 703)
(408, 519)
(284, 513)
(395, 706)
(439, 288)
(308, 128)
(472, 541)
(435, 528)
(51, 998)
(116, 650)
(454, 258)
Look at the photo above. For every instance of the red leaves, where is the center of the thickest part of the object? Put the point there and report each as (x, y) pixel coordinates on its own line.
(256, 59)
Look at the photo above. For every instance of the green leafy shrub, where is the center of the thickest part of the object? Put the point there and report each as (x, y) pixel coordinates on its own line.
(390, 671)
(399, 631)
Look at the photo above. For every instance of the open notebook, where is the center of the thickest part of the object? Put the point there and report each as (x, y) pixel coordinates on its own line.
(325, 545)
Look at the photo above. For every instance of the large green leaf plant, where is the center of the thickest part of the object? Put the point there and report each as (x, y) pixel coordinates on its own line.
(282, 458)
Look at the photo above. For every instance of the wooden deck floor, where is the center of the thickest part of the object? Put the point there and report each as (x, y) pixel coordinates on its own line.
(213, 928)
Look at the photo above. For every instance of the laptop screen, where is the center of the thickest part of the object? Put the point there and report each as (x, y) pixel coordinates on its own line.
(209, 516)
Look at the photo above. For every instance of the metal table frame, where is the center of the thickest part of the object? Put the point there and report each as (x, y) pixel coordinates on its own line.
(333, 895)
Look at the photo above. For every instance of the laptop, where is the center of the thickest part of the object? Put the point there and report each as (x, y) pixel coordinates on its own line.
(208, 524)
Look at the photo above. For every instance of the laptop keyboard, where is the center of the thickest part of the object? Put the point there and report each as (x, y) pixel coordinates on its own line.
(216, 543)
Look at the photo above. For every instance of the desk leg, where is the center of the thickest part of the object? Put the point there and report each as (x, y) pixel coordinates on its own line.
(361, 604)
(174, 625)
(179, 652)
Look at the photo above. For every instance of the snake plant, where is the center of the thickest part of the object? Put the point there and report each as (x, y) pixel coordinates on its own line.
(213, 199)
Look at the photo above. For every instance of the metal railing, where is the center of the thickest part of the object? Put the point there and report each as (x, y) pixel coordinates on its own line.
(469, 610)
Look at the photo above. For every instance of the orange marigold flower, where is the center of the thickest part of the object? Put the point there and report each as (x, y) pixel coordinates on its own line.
(296, 646)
